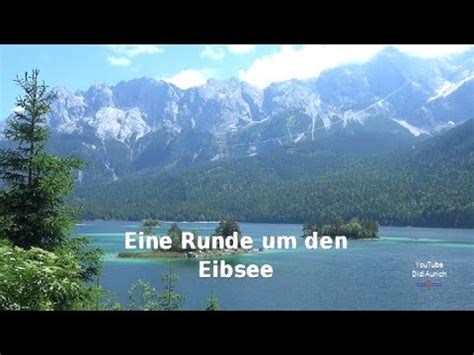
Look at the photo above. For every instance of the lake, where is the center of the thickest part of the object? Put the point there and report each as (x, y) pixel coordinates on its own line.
(368, 275)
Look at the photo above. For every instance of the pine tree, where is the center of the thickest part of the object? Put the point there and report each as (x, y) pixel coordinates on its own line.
(227, 227)
(150, 225)
(32, 209)
(169, 299)
(213, 302)
(175, 233)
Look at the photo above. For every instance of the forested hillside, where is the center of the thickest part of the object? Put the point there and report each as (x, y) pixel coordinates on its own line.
(427, 184)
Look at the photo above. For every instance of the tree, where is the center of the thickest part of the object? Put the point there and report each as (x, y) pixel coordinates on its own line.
(36, 279)
(355, 229)
(40, 268)
(33, 210)
(337, 223)
(169, 299)
(89, 260)
(227, 227)
(149, 226)
(143, 296)
(213, 302)
(175, 233)
(109, 302)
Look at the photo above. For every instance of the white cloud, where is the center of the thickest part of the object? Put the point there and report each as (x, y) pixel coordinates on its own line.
(119, 61)
(432, 51)
(303, 63)
(310, 60)
(190, 77)
(212, 52)
(241, 48)
(122, 55)
(133, 50)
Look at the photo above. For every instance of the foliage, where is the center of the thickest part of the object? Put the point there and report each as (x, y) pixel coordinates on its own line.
(175, 233)
(213, 302)
(36, 279)
(89, 258)
(40, 268)
(150, 225)
(109, 302)
(143, 296)
(169, 299)
(355, 229)
(32, 209)
(227, 227)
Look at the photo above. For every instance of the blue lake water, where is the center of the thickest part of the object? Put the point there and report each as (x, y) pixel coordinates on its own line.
(367, 275)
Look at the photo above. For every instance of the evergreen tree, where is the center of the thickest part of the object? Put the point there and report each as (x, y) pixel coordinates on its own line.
(227, 227)
(149, 226)
(213, 303)
(169, 299)
(175, 233)
(32, 209)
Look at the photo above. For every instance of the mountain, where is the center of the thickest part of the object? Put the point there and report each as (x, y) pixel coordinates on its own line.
(427, 184)
(389, 102)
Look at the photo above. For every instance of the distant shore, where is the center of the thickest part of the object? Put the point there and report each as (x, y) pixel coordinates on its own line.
(85, 222)
(159, 254)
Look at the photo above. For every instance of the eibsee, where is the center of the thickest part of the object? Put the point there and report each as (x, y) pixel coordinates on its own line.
(219, 268)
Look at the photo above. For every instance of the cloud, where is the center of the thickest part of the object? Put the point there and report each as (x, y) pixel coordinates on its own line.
(310, 60)
(212, 52)
(190, 77)
(303, 63)
(119, 61)
(122, 55)
(432, 51)
(241, 48)
(132, 51)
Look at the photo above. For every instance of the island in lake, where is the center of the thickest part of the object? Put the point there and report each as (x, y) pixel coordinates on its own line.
(225, 228)
(355, 229)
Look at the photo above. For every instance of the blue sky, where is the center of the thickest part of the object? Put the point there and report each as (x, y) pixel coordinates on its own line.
(79, 66)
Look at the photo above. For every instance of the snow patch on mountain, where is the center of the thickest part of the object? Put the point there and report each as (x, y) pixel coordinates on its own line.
(89, 146)
(447, 88)
(412, 129)
(298, 138)
(447, 125)
(112, 170)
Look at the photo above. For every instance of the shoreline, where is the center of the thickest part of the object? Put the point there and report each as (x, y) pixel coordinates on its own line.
(184, 254)
(84, 222)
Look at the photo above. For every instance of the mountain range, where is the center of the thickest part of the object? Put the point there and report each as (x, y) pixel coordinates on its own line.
(391, 139)
(145, 124)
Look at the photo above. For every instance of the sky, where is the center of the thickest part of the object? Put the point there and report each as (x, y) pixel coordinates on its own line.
(77, 67)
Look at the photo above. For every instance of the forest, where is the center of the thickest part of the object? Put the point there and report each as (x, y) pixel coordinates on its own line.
(355, 229)
(429, 184)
